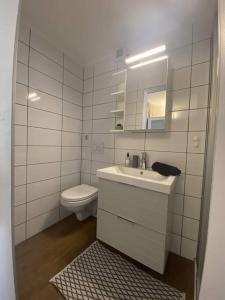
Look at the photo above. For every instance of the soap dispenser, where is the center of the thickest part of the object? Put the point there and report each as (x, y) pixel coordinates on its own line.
(127, 161)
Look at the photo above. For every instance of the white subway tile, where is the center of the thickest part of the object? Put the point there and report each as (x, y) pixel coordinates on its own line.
(19, 175)
(71, 139)
(107, 139)
(87, 126)
(86, 139)
(19, 214)
(94, 180)
(103, 125)
(87, 113)
(107, 156)
(200, 74)
(69, 181)
(193, 186)
(188, 248)
(73, 81)
(175, 244)
(87, 99)
(177, 224)
(171, 141)
(72, 96)
(103, 81)
(103, 96)
(192, 207)
(71, 153)
(180, 99)
(45, 84)
(43, 119)
(46, 102)
(20, 116)
(86, 153)
(73, 125)
(42, 171)
(86, 166)
(179, 121)
(88, 85)
(103, 111)
(201, 52)
(45, 65)
(85, 178)
(43, 154)
(43, 137)
(178, 203)
(198, 119)
(42, 205)
(20, 135)
(19, 195)
(72, 110)
(190, 228)
(21, 94)
(20, 155)
(22, 74)
(130, 141)
(195, 164)
(181, 78)
(43, 188)
(199, 97)
(70, 167)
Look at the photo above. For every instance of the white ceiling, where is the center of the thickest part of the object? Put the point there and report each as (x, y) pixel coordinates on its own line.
(89, 29)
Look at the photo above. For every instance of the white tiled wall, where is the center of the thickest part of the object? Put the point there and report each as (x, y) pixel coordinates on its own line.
(48, 144)
(190, 61)
(47, 133)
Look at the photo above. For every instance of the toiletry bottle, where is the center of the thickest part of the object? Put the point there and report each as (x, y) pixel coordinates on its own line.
(127, 161)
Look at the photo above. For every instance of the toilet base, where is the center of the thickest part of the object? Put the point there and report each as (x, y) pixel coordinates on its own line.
(86, 211)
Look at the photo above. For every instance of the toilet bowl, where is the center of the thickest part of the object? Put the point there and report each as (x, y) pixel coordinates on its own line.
(81, 199)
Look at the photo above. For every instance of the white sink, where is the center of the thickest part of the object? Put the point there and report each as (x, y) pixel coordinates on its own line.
(146, 179)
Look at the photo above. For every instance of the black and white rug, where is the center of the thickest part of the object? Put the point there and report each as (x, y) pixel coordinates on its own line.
(98, 273)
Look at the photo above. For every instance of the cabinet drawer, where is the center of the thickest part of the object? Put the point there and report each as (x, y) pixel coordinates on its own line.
(142, 244)
(144, 207)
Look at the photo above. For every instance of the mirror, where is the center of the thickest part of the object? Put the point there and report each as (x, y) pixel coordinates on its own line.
(146, 97)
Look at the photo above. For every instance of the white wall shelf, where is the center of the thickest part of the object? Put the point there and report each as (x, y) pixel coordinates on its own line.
(120, 77)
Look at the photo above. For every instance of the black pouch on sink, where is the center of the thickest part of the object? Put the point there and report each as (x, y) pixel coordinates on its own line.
(165, 170)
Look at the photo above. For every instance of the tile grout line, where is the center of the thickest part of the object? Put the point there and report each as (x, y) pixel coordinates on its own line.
(28, 89)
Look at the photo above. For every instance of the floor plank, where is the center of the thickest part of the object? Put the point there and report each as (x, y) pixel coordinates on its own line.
(44, 255)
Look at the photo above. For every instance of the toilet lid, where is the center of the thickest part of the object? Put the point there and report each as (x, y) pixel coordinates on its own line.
(79, 192)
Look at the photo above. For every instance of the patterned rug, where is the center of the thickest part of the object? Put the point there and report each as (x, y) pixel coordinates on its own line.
(98, 273)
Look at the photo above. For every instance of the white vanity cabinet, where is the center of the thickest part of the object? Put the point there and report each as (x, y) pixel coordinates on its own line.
(135, 221)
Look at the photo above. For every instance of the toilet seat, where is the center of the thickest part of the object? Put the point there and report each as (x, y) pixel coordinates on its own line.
(79, 195)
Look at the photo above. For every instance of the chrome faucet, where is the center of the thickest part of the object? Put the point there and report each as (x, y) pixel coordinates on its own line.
(143, 160)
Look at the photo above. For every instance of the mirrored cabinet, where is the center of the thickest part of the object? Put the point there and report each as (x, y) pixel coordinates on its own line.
(141, 97)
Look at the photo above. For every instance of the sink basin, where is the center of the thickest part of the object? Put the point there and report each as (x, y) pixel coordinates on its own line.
(146, 179)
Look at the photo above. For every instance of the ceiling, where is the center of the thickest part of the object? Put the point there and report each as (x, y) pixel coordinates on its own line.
(88, 29)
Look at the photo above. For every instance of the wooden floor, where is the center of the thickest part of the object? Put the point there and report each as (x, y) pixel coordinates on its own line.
(42, 256)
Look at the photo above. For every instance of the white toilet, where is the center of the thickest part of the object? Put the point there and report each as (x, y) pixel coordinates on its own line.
(81, 199)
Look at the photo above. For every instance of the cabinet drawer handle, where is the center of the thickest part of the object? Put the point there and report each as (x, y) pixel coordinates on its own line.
(132, 222)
